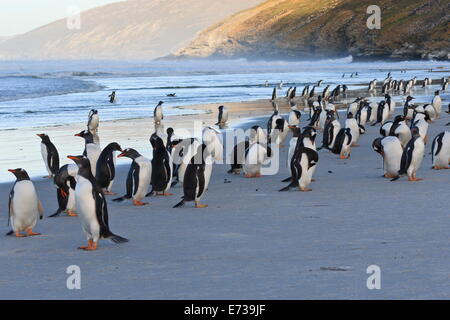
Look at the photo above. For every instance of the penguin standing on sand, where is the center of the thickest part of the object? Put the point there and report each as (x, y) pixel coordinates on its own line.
(162, 167)
(112, 97)
(196, 179)
(412, 157)
(238, 156)
(408, 108)
(352, 124)
(24, 205)
(91, 150)
(222, 117)
(391, 150)
(332, 128)
(303, 160)
(294, 117)
(440, 151)
(106, 169)
(65, 189)
(49, 155)
(342, 143)
(257, 154)
(92, 125)
(158, 115)
(138, 178)
(92, 207)
(437, 104)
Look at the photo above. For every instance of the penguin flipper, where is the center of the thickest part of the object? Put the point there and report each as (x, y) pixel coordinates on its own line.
(117, 239)
(121, 198)
(150, 193)
(285, 189)
(57, 213)
(287, 179)
(173, 184)
(396, 178)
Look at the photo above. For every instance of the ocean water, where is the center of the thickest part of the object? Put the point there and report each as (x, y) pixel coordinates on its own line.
(34, 94)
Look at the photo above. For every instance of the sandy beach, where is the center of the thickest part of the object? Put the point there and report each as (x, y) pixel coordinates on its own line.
(252, 242)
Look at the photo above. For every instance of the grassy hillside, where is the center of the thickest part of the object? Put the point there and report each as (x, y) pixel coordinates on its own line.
(306, 29)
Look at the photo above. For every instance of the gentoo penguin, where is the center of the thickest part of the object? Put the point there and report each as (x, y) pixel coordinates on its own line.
(266, 84)
(92, 150)
(390, 105)
(372, 85)
(91, 206)
(112, 97)
(106, 169)
(256, 156)
(319, 83)
(301, 164)
(352, 124)
(391, 150)
(279, 133)
(24, 205)
(440, 151)
(382, 113)
(162, 167)
(196, 177)
(420, 120)
(138, 178)
(408, 108)
(331, 129)
(65, 189)
(223, 117)
(412, 157)
(214, 149)
(401, 131)
(158, 113)
(296, 134)
(49, 155)
(437, 104)
(294, 117)
(342, 143)
(182, 156)
(93, 122)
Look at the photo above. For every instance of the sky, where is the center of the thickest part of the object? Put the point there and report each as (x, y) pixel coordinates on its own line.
(20, 16)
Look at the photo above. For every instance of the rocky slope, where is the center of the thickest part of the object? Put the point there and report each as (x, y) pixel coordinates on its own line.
(411, 29)
(133, 29)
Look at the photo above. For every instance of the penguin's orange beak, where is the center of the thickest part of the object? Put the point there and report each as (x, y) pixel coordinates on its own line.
(73, 157)
(39, 134)
(121, 155)
(77, 135)
(12, 170)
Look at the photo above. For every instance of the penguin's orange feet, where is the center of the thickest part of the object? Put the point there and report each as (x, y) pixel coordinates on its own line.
(355, 145)
(199, 205)
(304, 189)
(19, 235)
(167, 194)
(414, 179)
(248, 175)
(31, 233)
(139, 203)
(109, 193)
(342, 157)
(71, 213)
(91, 246)
(258, 175)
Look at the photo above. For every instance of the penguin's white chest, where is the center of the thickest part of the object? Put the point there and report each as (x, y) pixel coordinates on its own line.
(85, 204)
(25, 206)
(417, 156)
(44, 154)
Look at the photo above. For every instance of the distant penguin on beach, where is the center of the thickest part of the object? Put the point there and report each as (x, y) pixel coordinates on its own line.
(65, 189)
(92, 207)
(93, 122)
(49, 155)
(106, 171)
(91, 150)
(24, 206)
(162, 167)
(138, 178)
(112, 97)
(222, 117)
(158, 113)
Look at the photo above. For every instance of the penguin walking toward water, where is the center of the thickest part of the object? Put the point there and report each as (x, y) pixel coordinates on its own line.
(162, 167)
(440, 151)
(412, 157)
(91, 150)
(197, 177)
(92, 125)
(24, 205)
(303, 160)
(106, 169)
(222, 117)
(49, 155)
(158, 115)
(342, 143)
(65, 189)
(138, 178)
(391, 150)
(92, 207)
(112, 97)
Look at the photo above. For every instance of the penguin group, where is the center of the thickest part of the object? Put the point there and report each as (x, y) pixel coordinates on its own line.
(82, 187)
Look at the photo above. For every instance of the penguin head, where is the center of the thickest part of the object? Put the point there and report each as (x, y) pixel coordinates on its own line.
(86, 135)
(20, 174)
(129, 153)
(82, 162)
(309, 132)
(279, 124)
(436, 93)
(156, 141)
(220, 107)
(170, 131)
(377, 146)
(399, 119)
(409, 98)
(92, 112)
(114, 146)
(45, 138)
(160, 103)
(349, 115)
